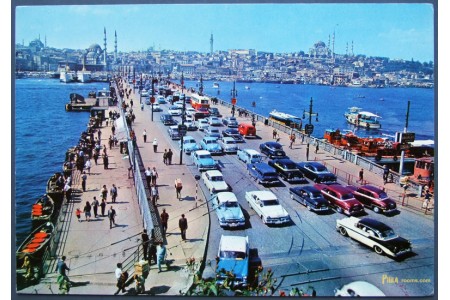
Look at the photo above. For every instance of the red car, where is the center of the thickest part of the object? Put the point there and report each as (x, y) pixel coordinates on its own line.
(341, 198)
(374, 198)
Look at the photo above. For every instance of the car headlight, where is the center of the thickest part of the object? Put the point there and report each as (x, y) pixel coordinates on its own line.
(222, 219)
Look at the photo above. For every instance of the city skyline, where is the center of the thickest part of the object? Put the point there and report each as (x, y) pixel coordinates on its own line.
(373, 29)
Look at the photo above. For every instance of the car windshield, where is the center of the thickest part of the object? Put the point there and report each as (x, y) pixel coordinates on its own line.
(270, 202)
(216, 178)
(271, 174)
(230, 142)
(290, 166)
(230, 204)
(347, 196)
(382, 195)
(387, 234)
(233, 254)
(210, 141)
(274, 146)
(316, 195)
(204, 156)
(232, 131)
(321, 169)
(189, 141)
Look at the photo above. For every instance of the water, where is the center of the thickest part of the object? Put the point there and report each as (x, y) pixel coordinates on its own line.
(43, 133)
(44, 130)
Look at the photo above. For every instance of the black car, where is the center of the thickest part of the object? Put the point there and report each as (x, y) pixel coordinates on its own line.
(288, 170)
(272, 150)
(317, 172)
(310, 197)
(213, 111)
(167, 119)
(233, 133)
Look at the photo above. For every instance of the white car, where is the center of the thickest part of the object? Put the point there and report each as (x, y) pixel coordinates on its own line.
(214, 182)
(249, 156)
(358, 289)
(190, 111)
(179, 104)
(202, 124)
(175, 111)
(228, 145)
(267, 207)
(156, 107)
(214, 121)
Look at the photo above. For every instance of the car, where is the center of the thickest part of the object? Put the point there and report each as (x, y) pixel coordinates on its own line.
(187, 99)
(214, 182)
(359, 289)
(202, 124)
(263, 173)
(267, 207)
(168, 99)
(190, 112)
(374, 198)
(145, 94)
(156, 108)
(341, 198)
(214, 111)
(230, 122)
(189, 144)
(288, 170)
(228, 211)
(317, 172)
(167, 119)
(249, 156)
(247, 130)
(233, 256)
(228, 145)
(178, 104)
(160, 100)
(214, 121)
(210, 144)
(174, 110)
(191, 126)
(310, 197)
(234, 133)
(174, 132)
(212, 132)
(374, 234)
(272, 150)
(201, 113)
(203, 160)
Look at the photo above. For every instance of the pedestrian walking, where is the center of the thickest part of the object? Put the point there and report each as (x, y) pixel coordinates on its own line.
(110, 142)
(145, 242)
(95, 157)
(154, 194)
(178, 187)
(142, 106)
(78, 214)
(154, 176)
(183, 225)
(104, 192)
(274, 134)
(112, 215)
(105, 161)
(113, 129)
(153, 252)
(292, 139)
(87, 211)
(169, 156)
(361, 175)
(114, 193)
(131, 103)
(144, 134)
(161, 255)
(88, 165)
(427, 199)
(155, 145)
(385, 173)
(95, 205)
(317, 147)
(68, 190)
(99, 135)
(62, 268)
(121, 277)
(83, 181)
(148, 176)
(165, 157)
(164, 220)
(103, 206)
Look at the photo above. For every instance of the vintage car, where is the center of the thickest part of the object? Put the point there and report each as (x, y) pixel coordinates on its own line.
(233, 256)
(202, 124)
(317, 172)
(201, 113)
(191, 126)
(174, 111)
(178, 104)
(310, 197)
(374, 198)
(374, 234)
(160, 100)
(190, 111)
(358, 289)
(203, 160)
(233, 133)
(247, 130)
(230, 122)
(189, 144)
(228, 145)
(272, 150)
(167, 119)
(267, 207)
(228, 211)
(288, 170)
(214, 182)
(210, 144)
(341, 198)
(263, 173)
(174, 132)
(156, 108)
(214, 121)
(213, 111)
(212, 132)
(249, 156)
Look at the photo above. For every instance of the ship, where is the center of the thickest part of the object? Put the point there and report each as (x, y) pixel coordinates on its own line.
(286, 119)
(84, 76)
(67, 76)
(364, 119)
(215, 85)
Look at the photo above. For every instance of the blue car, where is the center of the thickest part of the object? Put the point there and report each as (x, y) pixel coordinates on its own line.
(233, 257)
(203, 160)
(272, 150)
(263, 173)
(228, 211)
(210, 144)
(189, 144)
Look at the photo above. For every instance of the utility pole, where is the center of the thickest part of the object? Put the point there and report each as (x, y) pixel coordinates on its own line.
(402, 157)
(309, 128)
(233, 98)
(200, 89)
(181, 128)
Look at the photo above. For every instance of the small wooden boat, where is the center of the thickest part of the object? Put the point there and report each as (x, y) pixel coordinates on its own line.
(37, 242)
(43, 209)
(54, 187)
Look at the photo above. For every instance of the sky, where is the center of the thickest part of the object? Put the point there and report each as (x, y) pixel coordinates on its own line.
(398, 31)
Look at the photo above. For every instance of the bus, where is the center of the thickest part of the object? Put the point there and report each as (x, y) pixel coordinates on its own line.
(200, 102)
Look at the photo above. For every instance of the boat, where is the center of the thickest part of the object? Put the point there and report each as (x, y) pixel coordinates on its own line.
(84, 76)
(351, 141)
(43, 209)
(364, 119)
(36, 243)
(247, 87)
(333, 137)
(67, 76)
(55, 187)
(215, 85)
(286, 119)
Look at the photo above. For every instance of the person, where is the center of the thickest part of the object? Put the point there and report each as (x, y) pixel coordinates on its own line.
(140, 283)
(148, 176)
(113, 193)
(154, 176)
(274, 133)
(169, 156)
(62, 268)
(164, 220)
(99, 134)
(105, 161)
(144, 134)
(152, 252)
(111, 215)
(29, 270)
(87, 211)
(103, 206)
(104, 192)
(183, 225)
(95, 206)
(83, 181)
(113, 129)
(145, 242)
(154, 193)
(165, 157)
(95, 156)
(78, 214)
(142, 106)
(88, 166)
(292, 138)
(131, 103)
(426, 202)
(361, 175)
(161, 255)
(385, 174)
(121, 277)
(317, 147)
(178, 187)
(155, 145)
(68, 190)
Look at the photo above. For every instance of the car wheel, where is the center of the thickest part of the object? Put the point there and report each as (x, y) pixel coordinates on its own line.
(339, 210)
(377, 249)
(343, 231)
(308, 207)
(292, 196)
(376, 209)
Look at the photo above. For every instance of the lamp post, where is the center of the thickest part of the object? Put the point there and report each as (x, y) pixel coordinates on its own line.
(200, 89)
(181, 129)
(402, 156)
(233, 98)
(152, 99)
(309, 128)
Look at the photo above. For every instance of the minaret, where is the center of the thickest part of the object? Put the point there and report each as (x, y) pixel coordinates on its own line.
(333, 45)
(328, 45)
(115, 46)
(211, 42)
(104, 44)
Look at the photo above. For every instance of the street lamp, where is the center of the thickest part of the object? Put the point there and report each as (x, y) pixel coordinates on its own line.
(181, 128)
(152, 99)
(233, 97)
(309, 127)
(200, 89)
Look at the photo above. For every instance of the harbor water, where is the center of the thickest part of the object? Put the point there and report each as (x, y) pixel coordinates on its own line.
(44, 130)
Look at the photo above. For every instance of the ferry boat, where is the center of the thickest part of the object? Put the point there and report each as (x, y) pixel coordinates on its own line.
(364, 119)
(286, 119)
(215, 85)
(67, 76)
(84, 76)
